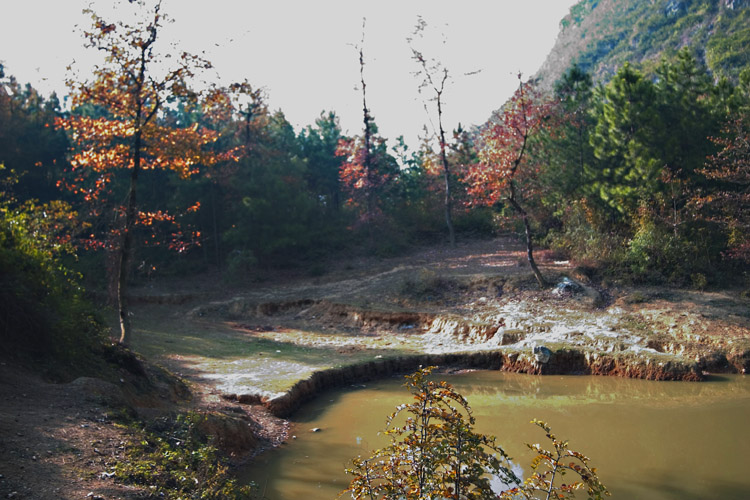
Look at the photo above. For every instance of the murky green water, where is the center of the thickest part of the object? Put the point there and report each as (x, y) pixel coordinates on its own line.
(649, 440)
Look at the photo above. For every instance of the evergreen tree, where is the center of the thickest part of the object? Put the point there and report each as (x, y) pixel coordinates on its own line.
(318, 145)
(626, 169)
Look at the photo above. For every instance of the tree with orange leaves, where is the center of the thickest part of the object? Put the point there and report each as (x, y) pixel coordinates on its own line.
(118, 134)
(364, 173)
(504, 142)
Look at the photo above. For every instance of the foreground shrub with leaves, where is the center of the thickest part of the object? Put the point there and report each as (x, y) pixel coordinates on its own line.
(549, 465)
(435, 453)
(45, 319)
(176, 461)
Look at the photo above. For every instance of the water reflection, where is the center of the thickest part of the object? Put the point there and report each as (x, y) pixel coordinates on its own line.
(522, 390)
(649, 440)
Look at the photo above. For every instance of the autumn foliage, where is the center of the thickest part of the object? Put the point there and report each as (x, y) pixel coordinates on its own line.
(436, 453)
(501, 176)
(502, 168)
(729, 205)
(118, 133)
(103, 153)
(362, 177)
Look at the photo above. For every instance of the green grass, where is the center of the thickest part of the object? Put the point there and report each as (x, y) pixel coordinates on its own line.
(239, 361)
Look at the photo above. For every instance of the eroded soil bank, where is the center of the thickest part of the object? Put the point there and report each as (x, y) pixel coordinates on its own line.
(254, 350)
(282, 339)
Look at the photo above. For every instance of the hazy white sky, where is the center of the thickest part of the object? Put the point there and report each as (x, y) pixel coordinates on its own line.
(302, 51)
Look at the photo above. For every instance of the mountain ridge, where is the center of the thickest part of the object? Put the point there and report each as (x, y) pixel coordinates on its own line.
(599, 36)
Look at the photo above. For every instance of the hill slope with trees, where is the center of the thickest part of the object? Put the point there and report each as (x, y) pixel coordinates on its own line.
(601, 35)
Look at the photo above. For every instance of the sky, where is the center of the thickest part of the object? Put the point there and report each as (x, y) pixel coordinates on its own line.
(303, 52)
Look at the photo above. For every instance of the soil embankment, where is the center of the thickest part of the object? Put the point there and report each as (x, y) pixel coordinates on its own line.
(477, 305)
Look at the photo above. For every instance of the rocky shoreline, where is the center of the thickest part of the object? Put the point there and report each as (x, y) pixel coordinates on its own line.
(595, 342)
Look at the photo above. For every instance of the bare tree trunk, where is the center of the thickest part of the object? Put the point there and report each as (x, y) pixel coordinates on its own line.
(126, 248)
(370, 205)
(512, 199)
(529, 241)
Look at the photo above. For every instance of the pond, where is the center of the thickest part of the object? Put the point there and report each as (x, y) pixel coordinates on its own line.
(648, 440)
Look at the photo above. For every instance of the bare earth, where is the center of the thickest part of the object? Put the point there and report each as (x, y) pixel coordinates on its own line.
(256, 339)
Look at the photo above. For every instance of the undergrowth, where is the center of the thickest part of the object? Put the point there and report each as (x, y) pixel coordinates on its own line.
(173, 460)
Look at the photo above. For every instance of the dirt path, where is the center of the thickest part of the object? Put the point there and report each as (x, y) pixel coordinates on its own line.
(58, 441)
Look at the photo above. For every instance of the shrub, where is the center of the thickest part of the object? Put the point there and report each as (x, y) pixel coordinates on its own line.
(43, 312)
(175, 461)
(435, 453)
(585, 238)
(477, 222)
(658, 253)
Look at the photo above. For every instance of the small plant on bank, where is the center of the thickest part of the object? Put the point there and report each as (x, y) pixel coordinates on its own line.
(176, 461)
(436, 453)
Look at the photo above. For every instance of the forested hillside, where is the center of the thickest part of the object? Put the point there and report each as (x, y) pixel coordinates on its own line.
(601, 35)
(641, 178)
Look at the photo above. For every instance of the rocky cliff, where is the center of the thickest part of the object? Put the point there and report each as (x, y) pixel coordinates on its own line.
(601, 35)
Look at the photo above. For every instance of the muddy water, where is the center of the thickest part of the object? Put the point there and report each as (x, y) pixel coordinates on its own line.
(649, 440)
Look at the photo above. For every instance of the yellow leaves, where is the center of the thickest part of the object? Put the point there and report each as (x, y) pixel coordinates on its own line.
(149, 218)
(87, 131)
(103, 27)
(181, 150)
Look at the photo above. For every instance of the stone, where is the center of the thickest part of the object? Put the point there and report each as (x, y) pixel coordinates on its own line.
(567, 287)
(542, 354)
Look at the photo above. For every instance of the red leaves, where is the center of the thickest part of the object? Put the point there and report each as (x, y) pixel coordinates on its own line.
(121, 131)
(359, 181)
(503, 144)
(353, 173)
(103, 146)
